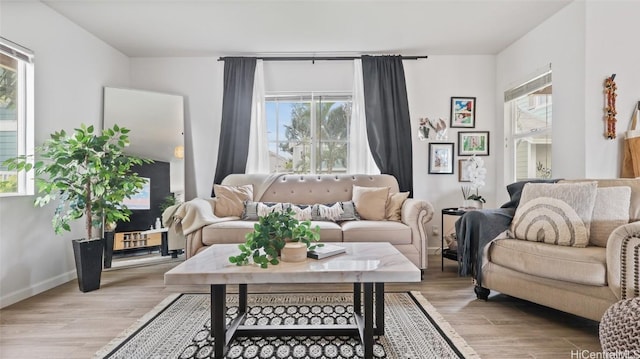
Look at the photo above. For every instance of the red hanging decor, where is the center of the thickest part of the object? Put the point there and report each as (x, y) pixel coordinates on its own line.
(610, 111)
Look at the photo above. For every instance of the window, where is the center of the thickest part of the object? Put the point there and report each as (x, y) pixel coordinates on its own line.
(308, 133)
(16, 114)
(529, 111)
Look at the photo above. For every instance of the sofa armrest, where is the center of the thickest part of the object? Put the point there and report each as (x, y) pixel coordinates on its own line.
(623, 256)
(416, 213)
(191, 217)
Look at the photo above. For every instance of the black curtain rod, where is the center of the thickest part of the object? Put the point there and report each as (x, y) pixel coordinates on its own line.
(321, 58)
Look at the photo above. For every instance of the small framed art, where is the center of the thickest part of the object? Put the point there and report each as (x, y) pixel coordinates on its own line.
(473, 143)
(441, 158)
(463, 173)
(463, 112)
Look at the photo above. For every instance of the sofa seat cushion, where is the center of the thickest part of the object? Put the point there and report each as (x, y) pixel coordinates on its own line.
(376, 231)
(226, 232)
(578, 265)
(235, 231)
(329, 231)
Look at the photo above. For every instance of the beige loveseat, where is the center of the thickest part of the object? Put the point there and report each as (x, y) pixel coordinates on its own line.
(581, 281)
(409, 235)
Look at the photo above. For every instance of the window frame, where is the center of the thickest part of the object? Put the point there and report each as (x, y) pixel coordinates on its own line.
(313, 98)
(539, 81)
(25, 110)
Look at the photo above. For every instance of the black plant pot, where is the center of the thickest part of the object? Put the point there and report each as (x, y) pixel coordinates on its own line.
(108, 248)
(88, 256)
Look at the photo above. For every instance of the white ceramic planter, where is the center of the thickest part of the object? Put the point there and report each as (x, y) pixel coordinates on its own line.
(470, 203)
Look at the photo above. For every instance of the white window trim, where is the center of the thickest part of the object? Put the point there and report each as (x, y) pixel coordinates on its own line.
(25, 110)
(539, 79)
(311, 96)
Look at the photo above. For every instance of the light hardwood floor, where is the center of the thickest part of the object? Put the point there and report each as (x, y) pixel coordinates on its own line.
(65, 323)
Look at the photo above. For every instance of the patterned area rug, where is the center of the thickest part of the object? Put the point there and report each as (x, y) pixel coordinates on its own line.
(179, 327)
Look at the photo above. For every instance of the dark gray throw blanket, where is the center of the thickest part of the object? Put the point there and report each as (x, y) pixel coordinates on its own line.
(475, 229)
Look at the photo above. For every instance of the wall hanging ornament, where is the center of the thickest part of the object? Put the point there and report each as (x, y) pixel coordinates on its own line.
(610, 110)
(438, 126)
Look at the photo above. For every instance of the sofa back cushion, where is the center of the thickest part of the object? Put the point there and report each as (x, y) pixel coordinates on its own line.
(393, 210)
(308, 189)
(371, 202)
(230, 199)
(633, 183)
(610, 211)
(555, 213)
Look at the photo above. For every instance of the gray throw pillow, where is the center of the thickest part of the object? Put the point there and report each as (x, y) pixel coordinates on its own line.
(334, 212)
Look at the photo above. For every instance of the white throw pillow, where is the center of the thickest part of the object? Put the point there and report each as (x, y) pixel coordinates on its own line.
(558, 213)
(610, 211)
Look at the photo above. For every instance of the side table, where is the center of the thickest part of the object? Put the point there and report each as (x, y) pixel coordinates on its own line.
(446, 252)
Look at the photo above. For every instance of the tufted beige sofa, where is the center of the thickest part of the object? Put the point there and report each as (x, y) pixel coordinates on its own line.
(581, 281)
(409, 235)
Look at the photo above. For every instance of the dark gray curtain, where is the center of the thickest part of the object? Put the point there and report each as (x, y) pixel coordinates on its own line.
(387, 112)
(233, 146)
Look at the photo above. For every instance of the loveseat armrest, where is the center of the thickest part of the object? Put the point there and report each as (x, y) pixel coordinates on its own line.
(623, 256)
(416, 213)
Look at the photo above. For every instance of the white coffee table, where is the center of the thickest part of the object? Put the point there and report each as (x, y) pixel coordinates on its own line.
(367, 265)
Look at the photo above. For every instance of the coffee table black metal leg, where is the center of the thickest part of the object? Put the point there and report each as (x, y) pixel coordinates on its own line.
(357, 298)
(218, 319)
(367, 335)
(379, 309)
(242, 298)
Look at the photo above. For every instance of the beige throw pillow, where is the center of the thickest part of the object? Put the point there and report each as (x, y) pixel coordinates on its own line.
(610, 211)
(558, 213)
(393, 210)
(371, 202)
(230, 199)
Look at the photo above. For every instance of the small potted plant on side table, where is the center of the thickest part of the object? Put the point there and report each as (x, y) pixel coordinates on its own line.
(477, 173)
(89, 176)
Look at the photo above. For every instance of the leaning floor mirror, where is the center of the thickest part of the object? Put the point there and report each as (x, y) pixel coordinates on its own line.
(156, 121)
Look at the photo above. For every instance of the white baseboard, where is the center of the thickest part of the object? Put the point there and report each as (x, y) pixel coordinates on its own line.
(11, 298)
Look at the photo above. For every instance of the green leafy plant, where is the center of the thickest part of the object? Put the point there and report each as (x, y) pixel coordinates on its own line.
(269, 236)
(89, 173)
(167, 202)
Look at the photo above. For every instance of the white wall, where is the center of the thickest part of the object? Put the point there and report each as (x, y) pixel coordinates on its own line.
(199, 80)
(585, 42)
(71, 66)
(559, 41)
(430, 84)
(612, 46)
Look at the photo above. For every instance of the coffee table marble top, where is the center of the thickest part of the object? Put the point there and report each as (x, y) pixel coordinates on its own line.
(363, 262)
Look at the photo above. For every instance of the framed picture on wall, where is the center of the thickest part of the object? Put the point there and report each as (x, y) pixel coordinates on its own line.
(463, 112)
(473, 143)
(463, 173)
(441, 158)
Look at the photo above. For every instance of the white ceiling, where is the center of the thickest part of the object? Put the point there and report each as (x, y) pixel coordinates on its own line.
(159, 28)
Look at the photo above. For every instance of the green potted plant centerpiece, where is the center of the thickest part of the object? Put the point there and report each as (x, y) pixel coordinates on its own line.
(270, 235)
(88, 175)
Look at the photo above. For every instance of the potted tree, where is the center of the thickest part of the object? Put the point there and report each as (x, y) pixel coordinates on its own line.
(269, 236)
(89, 176)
